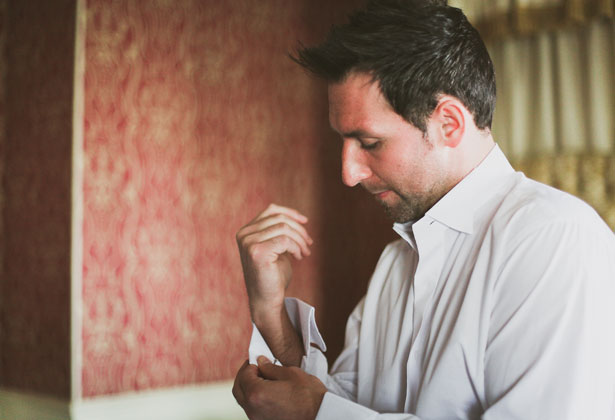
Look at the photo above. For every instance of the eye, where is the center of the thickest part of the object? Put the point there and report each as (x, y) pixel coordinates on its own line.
(369, 146)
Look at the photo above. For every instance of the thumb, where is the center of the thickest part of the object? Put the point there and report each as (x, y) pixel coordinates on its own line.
(270, 371)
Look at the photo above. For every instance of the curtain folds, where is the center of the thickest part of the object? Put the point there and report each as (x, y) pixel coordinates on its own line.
(503, 18)
(555, 115)
(556, 91)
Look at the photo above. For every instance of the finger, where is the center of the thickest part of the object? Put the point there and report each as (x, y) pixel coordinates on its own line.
(283, 244)
(281, 229)
(270, 371)
(269, 249)
(275, 209)
(247, 377)
(272, 226)
(272, 220)
(238, 392)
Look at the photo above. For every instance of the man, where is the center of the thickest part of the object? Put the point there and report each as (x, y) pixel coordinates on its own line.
(498, 300)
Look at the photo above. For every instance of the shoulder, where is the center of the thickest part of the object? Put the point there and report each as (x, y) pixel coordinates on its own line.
(549, 250)
(536, 228)
(530, 207)
(540, 235)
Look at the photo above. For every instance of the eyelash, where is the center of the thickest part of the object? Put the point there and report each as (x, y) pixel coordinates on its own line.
(370, 146)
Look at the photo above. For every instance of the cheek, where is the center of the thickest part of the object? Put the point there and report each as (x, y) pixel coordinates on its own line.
(403, 169)
(412, 175)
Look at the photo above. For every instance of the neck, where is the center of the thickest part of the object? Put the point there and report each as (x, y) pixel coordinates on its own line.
(470, 153)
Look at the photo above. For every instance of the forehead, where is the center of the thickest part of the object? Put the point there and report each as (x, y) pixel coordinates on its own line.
(356, 102)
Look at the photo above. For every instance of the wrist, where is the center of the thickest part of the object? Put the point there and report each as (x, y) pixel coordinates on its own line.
(269, 315)
(279, 333)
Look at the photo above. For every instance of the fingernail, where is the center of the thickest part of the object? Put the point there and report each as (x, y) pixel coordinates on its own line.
(262, 360)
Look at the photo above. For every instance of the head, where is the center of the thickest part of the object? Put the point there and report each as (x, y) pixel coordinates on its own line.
(406, 170)
(408, 80)
(416, 50)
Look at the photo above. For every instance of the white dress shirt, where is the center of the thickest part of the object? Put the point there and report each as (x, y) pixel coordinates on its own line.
(498, 304)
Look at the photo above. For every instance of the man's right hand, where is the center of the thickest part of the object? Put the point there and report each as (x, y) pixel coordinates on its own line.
(266, 245)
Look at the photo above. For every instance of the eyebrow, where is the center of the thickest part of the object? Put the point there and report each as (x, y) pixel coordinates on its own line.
(356, 134)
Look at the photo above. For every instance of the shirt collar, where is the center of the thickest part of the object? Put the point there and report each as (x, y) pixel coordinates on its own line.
(456, 209)
(405, 231)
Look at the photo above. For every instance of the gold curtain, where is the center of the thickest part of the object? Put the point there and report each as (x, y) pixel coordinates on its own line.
(503, 18)
(555, 115)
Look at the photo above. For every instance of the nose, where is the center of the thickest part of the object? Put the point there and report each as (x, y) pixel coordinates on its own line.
(354, 166)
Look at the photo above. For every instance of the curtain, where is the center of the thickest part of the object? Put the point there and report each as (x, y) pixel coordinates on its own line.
(502, 18)
(555, 69)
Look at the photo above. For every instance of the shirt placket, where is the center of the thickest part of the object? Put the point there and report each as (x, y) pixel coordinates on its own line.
(429, 236)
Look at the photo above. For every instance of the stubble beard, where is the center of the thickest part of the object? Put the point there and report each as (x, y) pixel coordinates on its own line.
(411, 208)
(402, 212)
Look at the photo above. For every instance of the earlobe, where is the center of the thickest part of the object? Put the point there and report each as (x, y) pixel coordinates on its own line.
(452, 121)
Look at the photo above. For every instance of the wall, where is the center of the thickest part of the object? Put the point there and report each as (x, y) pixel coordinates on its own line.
(35, 312)
(3, 31)
(195, 120)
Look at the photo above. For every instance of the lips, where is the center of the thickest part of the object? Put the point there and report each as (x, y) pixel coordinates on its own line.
(382, 194)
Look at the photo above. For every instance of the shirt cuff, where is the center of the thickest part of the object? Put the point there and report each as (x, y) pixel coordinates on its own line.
(258, 347)
(304, 321)
(334, 407)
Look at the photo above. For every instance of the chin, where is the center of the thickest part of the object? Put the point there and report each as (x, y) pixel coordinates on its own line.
(405, 211)
(398, 215)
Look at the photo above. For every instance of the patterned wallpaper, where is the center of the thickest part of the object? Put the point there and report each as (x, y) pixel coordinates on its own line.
(195, 120)
(35, 311)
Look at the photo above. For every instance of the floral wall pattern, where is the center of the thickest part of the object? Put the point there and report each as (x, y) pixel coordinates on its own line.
(195, 119)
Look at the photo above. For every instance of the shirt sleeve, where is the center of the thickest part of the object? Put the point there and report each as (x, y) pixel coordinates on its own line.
(302, 317)
(551, 340)
(341, 381)
(334, 407)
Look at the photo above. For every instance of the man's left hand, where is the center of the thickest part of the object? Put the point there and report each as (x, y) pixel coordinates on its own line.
(270, 392)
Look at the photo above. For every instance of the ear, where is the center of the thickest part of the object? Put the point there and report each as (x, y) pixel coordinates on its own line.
(450, 118)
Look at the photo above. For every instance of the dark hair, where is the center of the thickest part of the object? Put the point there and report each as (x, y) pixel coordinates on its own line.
(415, 50)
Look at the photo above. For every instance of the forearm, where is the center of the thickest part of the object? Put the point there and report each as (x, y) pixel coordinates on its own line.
(281, 337)
(266, 246)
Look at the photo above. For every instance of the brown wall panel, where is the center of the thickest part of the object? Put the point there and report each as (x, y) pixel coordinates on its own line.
(35, 311)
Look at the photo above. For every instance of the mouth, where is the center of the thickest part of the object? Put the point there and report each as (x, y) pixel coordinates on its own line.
(381, 195)
(379, 192)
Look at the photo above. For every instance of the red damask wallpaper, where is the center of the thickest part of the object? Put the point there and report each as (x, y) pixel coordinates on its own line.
(195, 119)
(35, 282)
